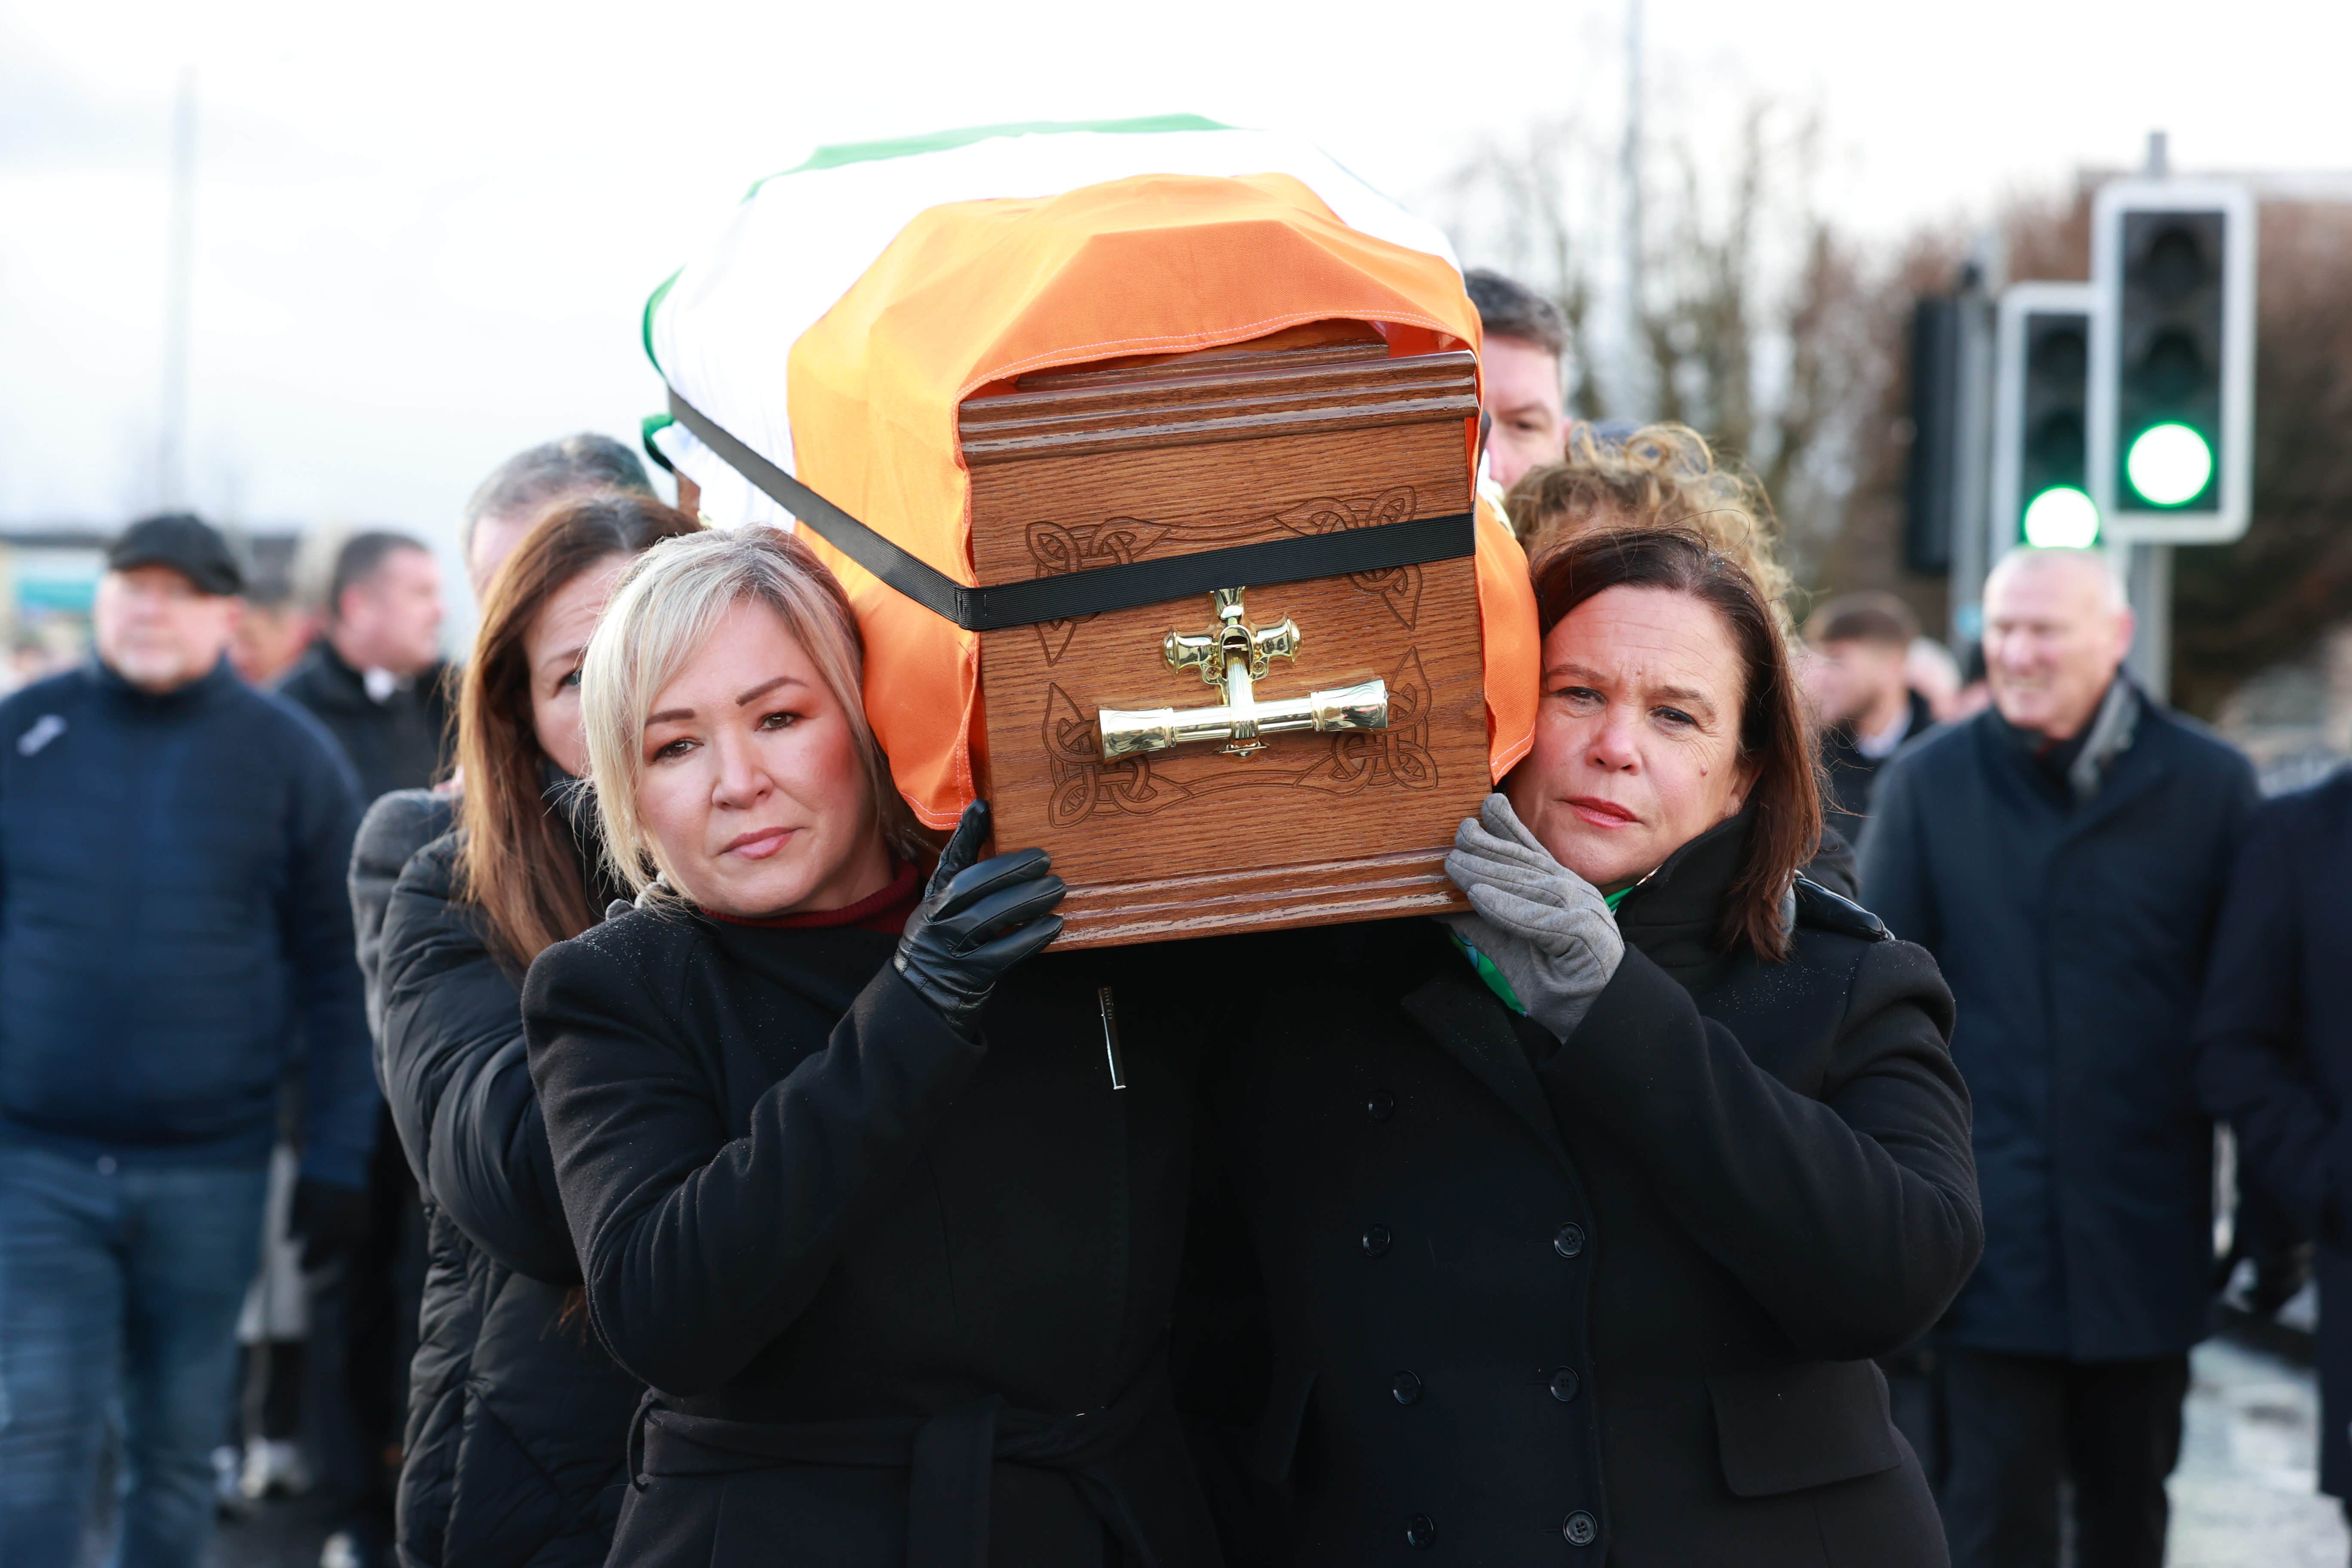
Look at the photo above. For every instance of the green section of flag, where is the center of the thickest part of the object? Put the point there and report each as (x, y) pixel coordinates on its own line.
(1494, 976)
(647, 428)
(645, 326)
(1490, 974)
(942, 140)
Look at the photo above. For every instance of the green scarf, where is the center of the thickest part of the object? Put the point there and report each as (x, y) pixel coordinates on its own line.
(1494, 976)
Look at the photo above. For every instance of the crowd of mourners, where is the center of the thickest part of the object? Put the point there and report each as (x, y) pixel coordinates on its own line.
(1801, 1152)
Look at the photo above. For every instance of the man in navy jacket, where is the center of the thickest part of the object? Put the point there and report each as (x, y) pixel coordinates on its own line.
(2063, 856)
(2274, 1057)
(173, 846)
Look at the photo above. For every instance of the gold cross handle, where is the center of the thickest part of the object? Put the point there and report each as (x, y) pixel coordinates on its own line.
(1232, 656)
(1232, 641)
(1125, 732)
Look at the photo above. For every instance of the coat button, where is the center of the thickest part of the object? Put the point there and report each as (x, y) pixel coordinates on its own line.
(1568, 1240)
(1376, 1241)
(1380, 1105)
(1581, 1528)
(1564, 1384)
(1420, 1531)
(1406, 1387)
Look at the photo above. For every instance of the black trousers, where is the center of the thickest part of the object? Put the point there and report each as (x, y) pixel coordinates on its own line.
(363, 1332)
(2018, 1425)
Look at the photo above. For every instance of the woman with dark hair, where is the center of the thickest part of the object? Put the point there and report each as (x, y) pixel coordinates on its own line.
(1578, 1222)
(517, 1418)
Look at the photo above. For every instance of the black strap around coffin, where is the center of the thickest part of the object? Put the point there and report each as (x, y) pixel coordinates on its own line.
(1122, 587)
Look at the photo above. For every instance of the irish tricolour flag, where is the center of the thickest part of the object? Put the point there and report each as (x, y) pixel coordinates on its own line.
(854, 302)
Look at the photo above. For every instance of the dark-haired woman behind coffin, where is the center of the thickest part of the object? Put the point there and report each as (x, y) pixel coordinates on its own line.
(850, 1184)
(516, 1415)
(1578, 1220)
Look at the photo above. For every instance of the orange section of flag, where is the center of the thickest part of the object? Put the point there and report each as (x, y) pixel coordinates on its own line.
(971, 294)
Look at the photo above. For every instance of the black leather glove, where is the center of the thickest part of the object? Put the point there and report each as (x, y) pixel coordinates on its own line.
(330, 1219)
(977, 921)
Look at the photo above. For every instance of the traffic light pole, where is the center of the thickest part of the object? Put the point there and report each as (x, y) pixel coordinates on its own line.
(2147, 568)
(2147, 582)
(1980, 290)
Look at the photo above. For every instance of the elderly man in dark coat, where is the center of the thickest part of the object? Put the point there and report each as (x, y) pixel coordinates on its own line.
(2063, 857)
(2274, 1057)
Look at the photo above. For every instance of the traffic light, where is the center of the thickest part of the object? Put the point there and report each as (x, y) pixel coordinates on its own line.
(1931, 480)
(2042, 394)
(2172, 383)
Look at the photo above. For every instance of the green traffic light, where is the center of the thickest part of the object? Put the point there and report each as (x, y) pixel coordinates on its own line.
(2170, 464)
(2061, 518)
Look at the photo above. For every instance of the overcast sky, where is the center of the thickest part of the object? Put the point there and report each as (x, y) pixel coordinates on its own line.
(425, 232)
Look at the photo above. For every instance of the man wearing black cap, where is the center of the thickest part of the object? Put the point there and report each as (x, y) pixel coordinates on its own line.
(173, 846)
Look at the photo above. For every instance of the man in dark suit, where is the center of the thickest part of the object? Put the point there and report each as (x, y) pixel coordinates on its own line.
(2274, 1057)
(375, 678)
(2063, 856)
(376, 681)
(1863, 696)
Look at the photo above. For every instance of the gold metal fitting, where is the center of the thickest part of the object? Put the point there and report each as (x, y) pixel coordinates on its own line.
(1232, 656)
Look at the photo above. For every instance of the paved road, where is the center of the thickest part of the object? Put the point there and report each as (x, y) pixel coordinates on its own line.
(2242, 1498)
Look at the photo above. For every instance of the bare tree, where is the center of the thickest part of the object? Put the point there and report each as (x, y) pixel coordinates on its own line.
(1756, 321)
(1515, 199)
(1866, 551)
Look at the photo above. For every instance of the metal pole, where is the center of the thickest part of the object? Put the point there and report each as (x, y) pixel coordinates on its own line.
(2148, 586)
(171, 457)
(1981, 284)
(2147, 568)
(1636, 373)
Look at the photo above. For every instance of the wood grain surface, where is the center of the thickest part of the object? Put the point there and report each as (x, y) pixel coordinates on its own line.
(1306, 391)
(1165, 460)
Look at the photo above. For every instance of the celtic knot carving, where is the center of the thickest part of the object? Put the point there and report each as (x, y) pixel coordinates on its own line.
(1397, 755)
(1397, 587)
(1058, 550)
(1083, 783)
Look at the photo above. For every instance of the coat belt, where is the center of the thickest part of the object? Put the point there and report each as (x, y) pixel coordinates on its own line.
(950, 1458)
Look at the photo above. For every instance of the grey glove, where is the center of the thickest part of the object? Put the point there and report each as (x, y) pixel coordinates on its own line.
(1548, 929)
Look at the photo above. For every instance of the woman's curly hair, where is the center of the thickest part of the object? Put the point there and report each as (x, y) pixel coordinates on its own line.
(1662, 475)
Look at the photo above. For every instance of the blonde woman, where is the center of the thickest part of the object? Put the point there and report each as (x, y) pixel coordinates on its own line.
(850, 1183)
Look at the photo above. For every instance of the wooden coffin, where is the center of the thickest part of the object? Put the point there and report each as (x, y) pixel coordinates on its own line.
(1098, 468)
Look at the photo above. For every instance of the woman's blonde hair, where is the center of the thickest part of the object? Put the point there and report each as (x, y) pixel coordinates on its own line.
(1663, 476)
(664, 609)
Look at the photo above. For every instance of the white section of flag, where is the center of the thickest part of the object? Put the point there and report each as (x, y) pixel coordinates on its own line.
(723, 332)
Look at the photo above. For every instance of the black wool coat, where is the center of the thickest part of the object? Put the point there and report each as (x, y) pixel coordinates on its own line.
(2274, 1055)
(1851, 776)
(1610, 1299)
(402, 742)
(518, 1420)
(2074, 936)
(904, 1298)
